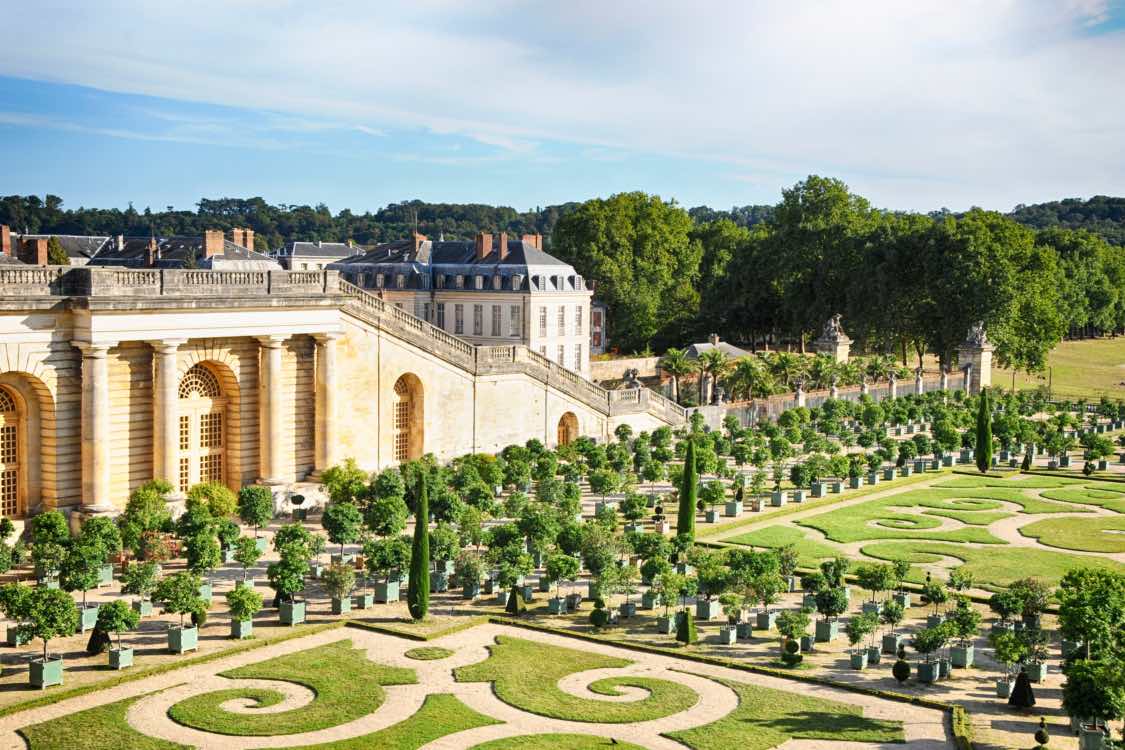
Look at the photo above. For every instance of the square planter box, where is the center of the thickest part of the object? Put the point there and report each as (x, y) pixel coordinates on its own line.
(44, 674)
(240, 629)
(684, 569)
(947, 461)
(891, 643)
(544, 585)
(935, 464)
(859, 659)
(1071, 649)
(745, 631)
(798, 496)
(1005, 455)
(341, 606)
(292, 613)
(1036, 672)
(928, 672)
(1090, 738)
(363, 601)
(836, 487)
(143, 607)
(105, 575)
(855, 482)
(808, 644)
(665, 625)
(819, 489)
(300, 514)
(48, 583)
(501, 597)
(88, 617)
(1034, 622)
(961, 656)
(791, 584)
(14, 637)
(711, 516)
(765, 620)
(470, 591)
(574, 602)
(387, 591)
(898, 432)
(889, 473)
(206, 593)
(489, 586)
(733, 509)
(1103, 465)
(1004, 688)
(920, 467)
(945, 668)
(932, 621)
(181, 640)
(873, 477)
(600, 506)
(1064, 461)
(556, 606)
(708, 609)
(260, 543)
(874, 608)
(343, 559)
(661, 527)
(777, 499)
(627, 610)
(228, 555)
(905, 471)
(439, 581)
(591, 590)
(827, 630)
(966, 456)
(120, 658)
(316, 570)
(1052, 464)
(808, 601)
(728, 635)
(648, 600)
(527, 593)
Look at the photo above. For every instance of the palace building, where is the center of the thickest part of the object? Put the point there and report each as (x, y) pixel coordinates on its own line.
(114, 374)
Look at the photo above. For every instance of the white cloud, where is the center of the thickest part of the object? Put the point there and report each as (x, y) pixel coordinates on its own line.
(931, 102)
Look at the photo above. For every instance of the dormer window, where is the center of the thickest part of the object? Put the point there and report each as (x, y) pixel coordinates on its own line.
(380, 279)
(400, 281)
(459, 281)
(478, 282)
(497, 282)
(441, 281)
(517, 282)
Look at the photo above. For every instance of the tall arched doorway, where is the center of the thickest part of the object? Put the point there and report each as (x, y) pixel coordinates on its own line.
(408, 413)
(202, 428)
(568, 428)
(11, 452)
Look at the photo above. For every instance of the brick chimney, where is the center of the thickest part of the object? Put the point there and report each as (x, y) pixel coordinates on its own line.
(248, 238)
(212, 242)
(713, 339)
(535, 240)
(484, 245)
(152, 253)
(5, 240)
(236, 236)
(34, 252)
(418, 240)
(502, 248)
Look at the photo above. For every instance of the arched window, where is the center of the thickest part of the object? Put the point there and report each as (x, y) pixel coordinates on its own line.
(568, 428)
(9, 455)
(202, 428)
(407, 416)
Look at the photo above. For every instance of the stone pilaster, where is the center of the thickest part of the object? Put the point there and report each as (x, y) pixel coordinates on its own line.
(271, 454)
(975, 356)
(166, 412)
(96, 456)
(326, 390)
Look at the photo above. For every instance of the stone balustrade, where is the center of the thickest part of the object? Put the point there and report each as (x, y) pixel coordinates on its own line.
(106, 281)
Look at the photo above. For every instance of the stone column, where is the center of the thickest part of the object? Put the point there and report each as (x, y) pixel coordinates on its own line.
(271, 454)
(834, 389)
(892, 387)
(166, 412)
(945, 378)
(919, 381)
(326, 439)
(799, 394)
(96, 446)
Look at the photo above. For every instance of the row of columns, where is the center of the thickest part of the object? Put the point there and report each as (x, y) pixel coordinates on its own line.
(96, 428)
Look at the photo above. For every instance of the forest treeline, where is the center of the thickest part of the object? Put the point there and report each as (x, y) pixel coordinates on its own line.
(903, 281)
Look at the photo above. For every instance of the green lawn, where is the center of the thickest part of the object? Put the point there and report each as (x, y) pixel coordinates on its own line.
(100, 728)
(105, 728)
(810, 550)
(428, 653)
(555, 742)
(1103, 534)
(1105, 494)
(1090, 368)
(1026, 482)
(766, 718)
(992, 566)
(331, 671)
(525, 674)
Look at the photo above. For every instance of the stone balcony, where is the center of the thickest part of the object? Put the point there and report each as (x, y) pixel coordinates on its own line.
(64, 281)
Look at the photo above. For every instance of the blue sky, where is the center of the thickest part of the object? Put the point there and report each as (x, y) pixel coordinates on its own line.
(354, 104)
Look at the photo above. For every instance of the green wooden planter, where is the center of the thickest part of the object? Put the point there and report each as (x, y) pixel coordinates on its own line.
(387, 591)
(470, 591)
(556, 606)
(143, 607)
(88, 617)
(364, 601)
(260, 543)
(962, 656)
(105, 575)
(15, 638)
(891, 643)
(44, 674)
(827, 630)
(859, 659)
(343, 559)
(228, 555)
(300, 514)
(439, 581)
(928, 672)
(341, 606)
(181, 640)
(206, 593)
(292, 613)
(240, 629)
(120, 658)
(765, 620)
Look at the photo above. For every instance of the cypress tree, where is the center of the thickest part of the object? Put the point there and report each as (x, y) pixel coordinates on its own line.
(685, 521)
(984, 433)
(418, 594)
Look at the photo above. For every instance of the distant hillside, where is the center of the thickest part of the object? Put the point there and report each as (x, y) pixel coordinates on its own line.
(1101, 214)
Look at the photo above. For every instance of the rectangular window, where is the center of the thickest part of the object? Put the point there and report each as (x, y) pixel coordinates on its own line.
(578, 358)
(426, 311)
(562, 320)
(185, 474)
(562, 355)
(459, 319)
(543, 321)
(496, 320)
(9, 493)
(578, 320)
(516, 320)
(543, 350)
(478, 320)
(211, 430)
(211, 468)
(185, 433)
(441, 315)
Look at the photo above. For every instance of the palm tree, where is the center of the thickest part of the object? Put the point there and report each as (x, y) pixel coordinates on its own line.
(821, 370)
(850, 372)
(880, 367)
(712, 363)
(750, 378)
(675, 362)
(787, 367)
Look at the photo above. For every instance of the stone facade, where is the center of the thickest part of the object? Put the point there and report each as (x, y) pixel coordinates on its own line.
(116, 376)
